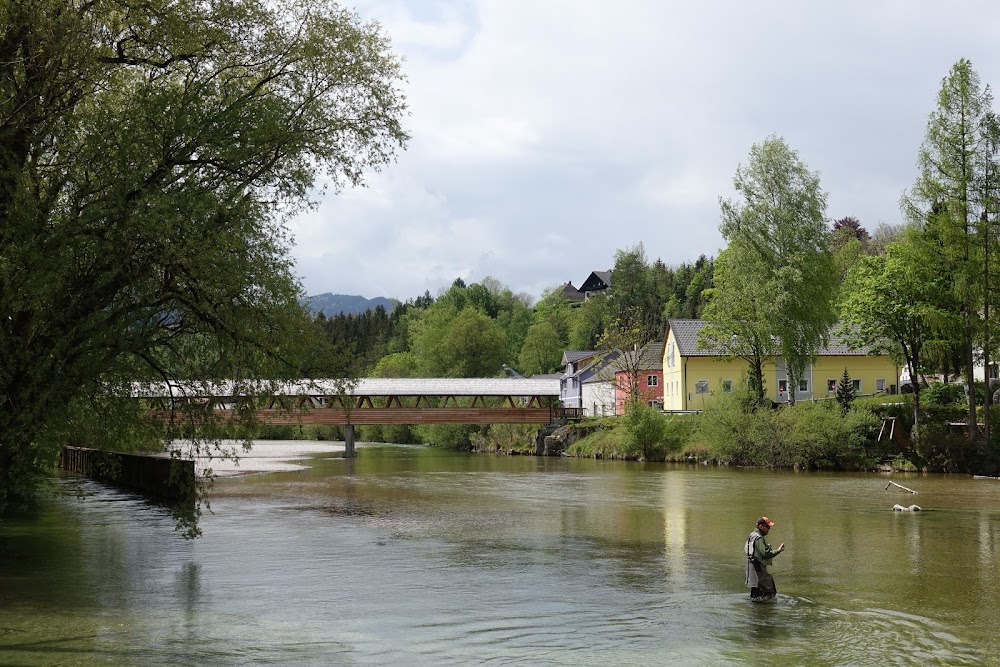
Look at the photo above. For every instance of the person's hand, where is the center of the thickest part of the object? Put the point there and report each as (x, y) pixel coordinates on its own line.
(781, 548)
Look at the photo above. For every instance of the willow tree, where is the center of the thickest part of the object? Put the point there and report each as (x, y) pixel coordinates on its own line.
(150, 153)
(777, 270)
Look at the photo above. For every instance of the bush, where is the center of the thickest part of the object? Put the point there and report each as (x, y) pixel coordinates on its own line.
(943, 393)
(809, 435)
(449, 436)
(642, 430)
(824, 437)
(506, 439)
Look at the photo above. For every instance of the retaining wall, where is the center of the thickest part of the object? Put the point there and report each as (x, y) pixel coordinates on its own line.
(163, 477)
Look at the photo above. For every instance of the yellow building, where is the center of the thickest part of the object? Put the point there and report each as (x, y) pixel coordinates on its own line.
(692, 376)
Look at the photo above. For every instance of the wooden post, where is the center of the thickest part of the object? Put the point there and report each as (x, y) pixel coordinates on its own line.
(349, 452)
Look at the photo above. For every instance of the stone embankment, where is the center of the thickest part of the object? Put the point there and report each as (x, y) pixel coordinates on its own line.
(559, 440)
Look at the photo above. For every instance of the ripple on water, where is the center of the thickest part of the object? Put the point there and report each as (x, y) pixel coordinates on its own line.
(801, 631)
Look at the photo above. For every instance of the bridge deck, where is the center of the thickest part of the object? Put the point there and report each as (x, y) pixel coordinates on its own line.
(360, 387)
(370, 401)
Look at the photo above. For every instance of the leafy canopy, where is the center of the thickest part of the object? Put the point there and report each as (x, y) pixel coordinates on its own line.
(149, 156)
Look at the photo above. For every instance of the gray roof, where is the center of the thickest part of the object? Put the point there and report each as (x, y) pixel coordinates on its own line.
(371, 387)
(686, 335)
(572, 294)
(650, 359)
(570, 356)
(603, 367)
(605, 371)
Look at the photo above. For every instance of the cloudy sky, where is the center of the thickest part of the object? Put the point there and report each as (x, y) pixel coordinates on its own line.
(546, 134)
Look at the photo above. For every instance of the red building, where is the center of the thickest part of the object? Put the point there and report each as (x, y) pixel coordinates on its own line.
(640, 371)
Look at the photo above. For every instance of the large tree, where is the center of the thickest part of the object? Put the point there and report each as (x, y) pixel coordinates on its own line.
(737, 317)
(948, 193)
(778, 268)
(149, 155)
(894, 304)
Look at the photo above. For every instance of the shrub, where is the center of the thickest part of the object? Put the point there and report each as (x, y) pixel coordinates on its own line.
(812, 435)
(449, 436)
(824, 437)
(642, 430)
(506, 438)
(943, 393)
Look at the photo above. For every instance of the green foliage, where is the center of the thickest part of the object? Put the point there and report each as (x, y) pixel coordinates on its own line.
(944, 393)
(542, 349)
(643, 433)
(736, 318)
(449, 436)
(632, 304)
(774, 283)
(896, 303)
(954, 201)
(398, 365)
(845, 392)
(808, 434)
(824, 437)
(642, 429)
(589, 324)
(505, 439)
(397, 433)
(148, 157)
(601, 444)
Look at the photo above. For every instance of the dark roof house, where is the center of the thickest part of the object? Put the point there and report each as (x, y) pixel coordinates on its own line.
(597, 281)
(572, 294)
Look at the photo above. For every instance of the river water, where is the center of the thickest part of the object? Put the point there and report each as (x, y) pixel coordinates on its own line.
(418, 556)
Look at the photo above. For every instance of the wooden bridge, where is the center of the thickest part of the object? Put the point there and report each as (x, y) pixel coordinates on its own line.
(367, 401)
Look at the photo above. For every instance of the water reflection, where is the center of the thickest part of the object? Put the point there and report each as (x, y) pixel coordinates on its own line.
(418, 556)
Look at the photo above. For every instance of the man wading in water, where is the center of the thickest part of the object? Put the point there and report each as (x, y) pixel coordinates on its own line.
(759, 554)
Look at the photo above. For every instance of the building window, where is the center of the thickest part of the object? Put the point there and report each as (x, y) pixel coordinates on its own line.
(727, 386)
(782, 386)
(652, 381)
(880, 384)
(803, 386)
(831, 385)
(701, 387)
(857, 385)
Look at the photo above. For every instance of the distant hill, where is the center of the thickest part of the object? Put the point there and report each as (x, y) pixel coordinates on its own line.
(335, 304)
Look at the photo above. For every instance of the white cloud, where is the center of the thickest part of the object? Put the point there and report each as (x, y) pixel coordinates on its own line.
(549, 133)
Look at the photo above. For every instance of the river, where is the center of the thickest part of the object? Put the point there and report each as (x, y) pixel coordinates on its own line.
(419, 556)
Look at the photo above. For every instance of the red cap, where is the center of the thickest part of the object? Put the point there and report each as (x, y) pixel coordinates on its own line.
(764, 521)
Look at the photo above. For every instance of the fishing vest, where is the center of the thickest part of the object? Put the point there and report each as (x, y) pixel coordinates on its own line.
(751, 547)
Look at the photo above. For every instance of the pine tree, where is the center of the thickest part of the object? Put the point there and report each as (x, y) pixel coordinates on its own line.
(845, 391)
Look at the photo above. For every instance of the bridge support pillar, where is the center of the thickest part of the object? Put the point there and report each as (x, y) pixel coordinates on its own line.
(349, 452)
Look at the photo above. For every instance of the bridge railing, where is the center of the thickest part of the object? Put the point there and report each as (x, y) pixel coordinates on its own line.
(568, 413)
